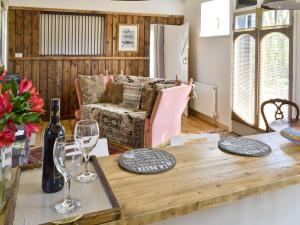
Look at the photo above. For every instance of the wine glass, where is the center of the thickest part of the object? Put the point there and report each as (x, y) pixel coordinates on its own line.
(67, 157)
(88, 130)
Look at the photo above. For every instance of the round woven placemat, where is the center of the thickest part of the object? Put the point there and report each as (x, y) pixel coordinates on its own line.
(244, 147)
(147, 161)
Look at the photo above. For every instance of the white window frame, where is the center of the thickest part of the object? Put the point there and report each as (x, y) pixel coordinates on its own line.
(258, 33)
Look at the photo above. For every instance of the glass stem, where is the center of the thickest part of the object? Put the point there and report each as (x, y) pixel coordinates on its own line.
(69, 187)
(86, 165)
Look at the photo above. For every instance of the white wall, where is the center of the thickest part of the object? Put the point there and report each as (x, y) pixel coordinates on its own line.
(174, 7)
(210, 60)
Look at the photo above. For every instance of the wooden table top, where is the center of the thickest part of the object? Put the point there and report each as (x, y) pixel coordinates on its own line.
(278, 125)
(203, 177)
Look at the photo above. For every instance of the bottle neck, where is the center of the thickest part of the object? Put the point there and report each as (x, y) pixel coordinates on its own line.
(55, 111)
(54, 119)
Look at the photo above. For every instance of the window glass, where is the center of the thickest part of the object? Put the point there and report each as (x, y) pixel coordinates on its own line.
(274, 74)
(275, 18)
(244, 78)
(247, 21)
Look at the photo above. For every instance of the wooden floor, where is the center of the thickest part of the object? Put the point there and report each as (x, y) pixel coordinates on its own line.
(193, 125)
(190, 125)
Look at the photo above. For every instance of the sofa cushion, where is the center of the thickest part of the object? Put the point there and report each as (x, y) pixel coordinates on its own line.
(114, 95)
(132, 95)
(121, 79)
(118, 124)
(148, 99)
(163, 85)
(92, 88)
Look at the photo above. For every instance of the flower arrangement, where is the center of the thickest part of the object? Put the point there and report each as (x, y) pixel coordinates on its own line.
(20, 104)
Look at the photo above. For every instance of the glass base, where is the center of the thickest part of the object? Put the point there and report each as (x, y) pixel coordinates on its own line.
(86, 177)
(69, 205)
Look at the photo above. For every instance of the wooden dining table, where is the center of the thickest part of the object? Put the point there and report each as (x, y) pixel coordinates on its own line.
(278, 125)
(209, 187)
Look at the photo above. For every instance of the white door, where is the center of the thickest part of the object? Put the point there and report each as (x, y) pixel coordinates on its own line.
(171, 51)
(183, 37)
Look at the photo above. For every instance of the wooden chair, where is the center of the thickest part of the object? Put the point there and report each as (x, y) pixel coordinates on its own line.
(278, 113)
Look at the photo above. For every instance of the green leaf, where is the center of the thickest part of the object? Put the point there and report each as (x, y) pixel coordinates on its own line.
(25, 106)
(31, 117)
(25, 96)
(14, 87)
(18, 119)
(5, 87)
(4, 120)
(20, 100)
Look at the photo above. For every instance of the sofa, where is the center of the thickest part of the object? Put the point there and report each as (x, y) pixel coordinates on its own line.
(123, 119)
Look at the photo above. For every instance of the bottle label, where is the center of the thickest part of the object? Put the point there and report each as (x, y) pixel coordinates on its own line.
(55, 113)
(57, 175)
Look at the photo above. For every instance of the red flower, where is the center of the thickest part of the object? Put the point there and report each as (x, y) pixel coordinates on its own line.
(11, 125)
(7, 138)
(32, 128)
(36, 104)
(25, 85)
(34, 92)
(5, 105)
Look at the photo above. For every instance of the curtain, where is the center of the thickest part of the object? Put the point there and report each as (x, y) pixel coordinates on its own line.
(3, 33)
(158, 54)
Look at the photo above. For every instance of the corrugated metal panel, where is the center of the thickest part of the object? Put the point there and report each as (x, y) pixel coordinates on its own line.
(68, 34)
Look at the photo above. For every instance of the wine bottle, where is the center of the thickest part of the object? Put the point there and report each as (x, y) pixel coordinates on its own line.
(52, 180)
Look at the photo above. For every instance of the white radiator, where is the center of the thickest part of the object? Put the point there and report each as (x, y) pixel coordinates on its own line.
(206, 101)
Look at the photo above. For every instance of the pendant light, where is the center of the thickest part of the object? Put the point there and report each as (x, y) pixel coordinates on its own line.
(281, 4)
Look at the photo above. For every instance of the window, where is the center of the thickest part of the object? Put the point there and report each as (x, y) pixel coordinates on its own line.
(244, 78)
(247, 21)
(72, 34)
(274, 70)
(215, 18)
(262, 63)
(275, 18)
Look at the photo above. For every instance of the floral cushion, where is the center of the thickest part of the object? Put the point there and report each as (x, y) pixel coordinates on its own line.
(115, 94)
(92, 88)
(121, 79)
(120, 125)
(132, 95)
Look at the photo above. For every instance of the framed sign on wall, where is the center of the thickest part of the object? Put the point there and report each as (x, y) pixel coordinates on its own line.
(128, 38)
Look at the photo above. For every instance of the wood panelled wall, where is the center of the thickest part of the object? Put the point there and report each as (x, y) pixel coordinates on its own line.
(54, 75)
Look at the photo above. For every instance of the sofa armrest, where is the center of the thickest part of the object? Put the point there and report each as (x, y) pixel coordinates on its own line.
(78, 114)
(165, 120)
(107, 80)
(79, 95)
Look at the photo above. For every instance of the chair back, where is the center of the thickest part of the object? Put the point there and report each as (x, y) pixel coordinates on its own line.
(279, 112)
